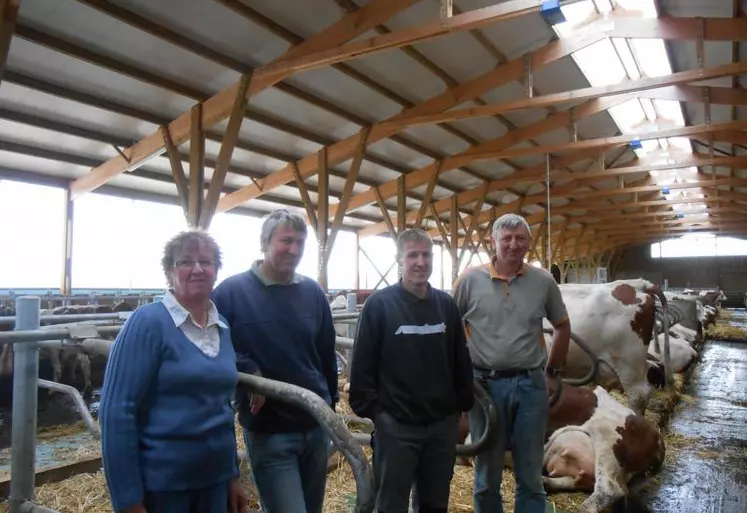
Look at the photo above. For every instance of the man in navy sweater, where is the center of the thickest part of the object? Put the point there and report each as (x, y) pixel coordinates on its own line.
(411, 374)
(282, 329)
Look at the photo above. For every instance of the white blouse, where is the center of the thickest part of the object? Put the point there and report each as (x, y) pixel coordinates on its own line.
(207, 339)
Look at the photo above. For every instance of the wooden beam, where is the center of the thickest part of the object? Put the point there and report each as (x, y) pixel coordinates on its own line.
(405, 37)
(344, 149)
(587, 93)
(385, 215)
(695, 94)
(476, 155)
(553, 122)
(219, 106)
(8, 17)
(322, 218)
(472, 195)
(420, 217)
(537, 173)
(347, 192)
(679, 29)
(196, 165)
(177, 171)
(230, 138)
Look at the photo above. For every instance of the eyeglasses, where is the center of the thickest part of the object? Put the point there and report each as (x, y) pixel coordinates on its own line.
(188, 264)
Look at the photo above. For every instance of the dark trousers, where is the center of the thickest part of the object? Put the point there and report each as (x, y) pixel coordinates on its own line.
(407, 454)
(213, 499)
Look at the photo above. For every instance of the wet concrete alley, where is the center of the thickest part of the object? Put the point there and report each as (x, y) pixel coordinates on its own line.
(709, 473)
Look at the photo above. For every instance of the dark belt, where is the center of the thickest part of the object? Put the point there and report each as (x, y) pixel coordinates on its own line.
(503, 373)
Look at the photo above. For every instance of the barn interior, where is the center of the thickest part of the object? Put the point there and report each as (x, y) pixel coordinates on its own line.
(610, 125)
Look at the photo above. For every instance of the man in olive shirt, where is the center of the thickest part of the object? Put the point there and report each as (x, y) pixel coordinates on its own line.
(503, 304)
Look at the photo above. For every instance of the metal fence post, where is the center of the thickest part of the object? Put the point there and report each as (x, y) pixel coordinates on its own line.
(23, 429)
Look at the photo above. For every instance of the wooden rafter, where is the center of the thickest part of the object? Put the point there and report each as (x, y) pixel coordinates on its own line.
(219, 106)
(587, 93)
(343, 150)
(8, 16)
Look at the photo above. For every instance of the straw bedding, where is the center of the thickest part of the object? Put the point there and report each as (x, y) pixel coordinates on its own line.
(722, 331)
(87, 493)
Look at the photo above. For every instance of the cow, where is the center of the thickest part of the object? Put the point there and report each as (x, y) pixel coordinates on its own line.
(681, 353)
(70, 356)
(614, 445)
(616, 321)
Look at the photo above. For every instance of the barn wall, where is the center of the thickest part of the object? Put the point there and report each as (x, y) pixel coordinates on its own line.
(729, 273)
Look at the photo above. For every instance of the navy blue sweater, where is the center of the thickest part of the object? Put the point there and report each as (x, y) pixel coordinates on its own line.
(410, 357)
(165, 413)
(287, 333)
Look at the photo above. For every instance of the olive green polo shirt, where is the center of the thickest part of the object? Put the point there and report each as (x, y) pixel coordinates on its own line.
(503, 316)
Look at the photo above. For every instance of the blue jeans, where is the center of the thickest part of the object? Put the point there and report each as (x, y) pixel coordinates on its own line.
(289, 469)
(522, 404)
(213, 499)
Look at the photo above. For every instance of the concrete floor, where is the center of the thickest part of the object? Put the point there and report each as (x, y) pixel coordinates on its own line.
(711, 475)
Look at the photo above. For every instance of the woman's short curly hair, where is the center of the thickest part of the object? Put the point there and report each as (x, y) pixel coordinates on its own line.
(182, 239)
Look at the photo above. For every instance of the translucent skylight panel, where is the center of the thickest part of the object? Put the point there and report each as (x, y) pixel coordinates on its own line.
(646, 8)
(664, 143)
(600, 64)
(681, 143)
(648, 108)
(604, 6)
(670, 109)
(627, 115)
(575, 14)
(623, 50)
(652, 57)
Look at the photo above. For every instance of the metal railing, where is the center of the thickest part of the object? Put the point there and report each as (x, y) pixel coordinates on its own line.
(25, 338)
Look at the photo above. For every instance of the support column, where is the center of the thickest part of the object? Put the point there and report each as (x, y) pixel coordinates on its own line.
(357, 263)
(454, 247)
(23, 428)
(66, 287)
(323, 218)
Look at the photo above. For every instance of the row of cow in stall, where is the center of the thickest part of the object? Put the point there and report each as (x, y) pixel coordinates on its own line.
(66, 359)
(594, 443)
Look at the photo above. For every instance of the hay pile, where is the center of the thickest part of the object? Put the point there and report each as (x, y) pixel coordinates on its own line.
(727, 332)
(87, 493)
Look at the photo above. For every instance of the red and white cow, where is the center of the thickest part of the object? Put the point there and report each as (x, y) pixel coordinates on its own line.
(603, 454)
(616, 321)
(681, 352)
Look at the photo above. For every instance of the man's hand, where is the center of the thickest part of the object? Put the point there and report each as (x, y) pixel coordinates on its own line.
(256, 401)
(236, 497)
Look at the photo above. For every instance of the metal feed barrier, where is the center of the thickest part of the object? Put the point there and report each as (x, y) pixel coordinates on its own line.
(25, 339)
(28, 333)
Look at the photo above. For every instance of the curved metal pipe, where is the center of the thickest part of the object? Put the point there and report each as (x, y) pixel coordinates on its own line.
(332, 425)
(30, 507)
(578, 382)
(487, 439)
(80, 404)
(668, 374)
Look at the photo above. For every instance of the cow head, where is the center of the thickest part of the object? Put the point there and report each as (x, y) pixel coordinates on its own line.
(640, 448)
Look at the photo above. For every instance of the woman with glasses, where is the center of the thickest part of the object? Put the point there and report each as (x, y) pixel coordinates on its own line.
(168, 438)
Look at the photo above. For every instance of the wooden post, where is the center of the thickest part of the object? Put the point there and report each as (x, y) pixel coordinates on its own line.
(454, 228)
(322, 218)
